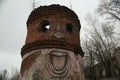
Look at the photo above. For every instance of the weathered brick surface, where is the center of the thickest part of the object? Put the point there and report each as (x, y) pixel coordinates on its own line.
(52, 53)
(58, 17)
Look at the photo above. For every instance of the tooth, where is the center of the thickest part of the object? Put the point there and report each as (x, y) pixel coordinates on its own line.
(59, 53)
(55, 53)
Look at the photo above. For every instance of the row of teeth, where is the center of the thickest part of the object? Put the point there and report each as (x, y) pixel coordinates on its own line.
(59, 54)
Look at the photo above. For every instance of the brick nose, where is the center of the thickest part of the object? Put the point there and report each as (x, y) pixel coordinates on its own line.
(58, 36)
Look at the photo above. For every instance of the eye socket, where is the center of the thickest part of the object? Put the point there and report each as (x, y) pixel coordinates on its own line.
(45, 26)
(69, 27)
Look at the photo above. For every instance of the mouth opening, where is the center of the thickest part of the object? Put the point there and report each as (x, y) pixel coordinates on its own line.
(58, 60)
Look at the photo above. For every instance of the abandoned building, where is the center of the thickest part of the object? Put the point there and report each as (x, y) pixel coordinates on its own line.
(52, 49)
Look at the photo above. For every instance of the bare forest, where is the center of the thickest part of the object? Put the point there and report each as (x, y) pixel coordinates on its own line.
(102, 45)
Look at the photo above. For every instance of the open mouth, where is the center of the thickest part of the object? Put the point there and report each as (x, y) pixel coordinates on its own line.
(58, 60)
(57, 63)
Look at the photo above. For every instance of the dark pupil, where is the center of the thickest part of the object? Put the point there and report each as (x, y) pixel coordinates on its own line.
(45, 27)
(69, 27)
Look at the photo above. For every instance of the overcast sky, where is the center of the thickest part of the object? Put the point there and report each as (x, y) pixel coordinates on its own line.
(13, 16)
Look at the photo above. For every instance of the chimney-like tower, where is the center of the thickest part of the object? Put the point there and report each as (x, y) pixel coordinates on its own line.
(52, 49)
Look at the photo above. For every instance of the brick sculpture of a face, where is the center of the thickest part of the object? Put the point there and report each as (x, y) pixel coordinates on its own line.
(52, 49)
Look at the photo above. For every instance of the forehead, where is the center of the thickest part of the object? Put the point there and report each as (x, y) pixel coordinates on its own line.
(55, 19)
(53, 12)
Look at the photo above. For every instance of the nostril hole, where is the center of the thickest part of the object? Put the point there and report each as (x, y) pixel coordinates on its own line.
(69, 28)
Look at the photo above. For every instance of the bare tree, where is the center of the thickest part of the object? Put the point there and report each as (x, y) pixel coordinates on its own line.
(110, 8)
(100, 45)
(4, 75)
(15, 75)
(89, 60)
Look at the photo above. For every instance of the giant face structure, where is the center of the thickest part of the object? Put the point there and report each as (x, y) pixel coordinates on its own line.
(52, 49)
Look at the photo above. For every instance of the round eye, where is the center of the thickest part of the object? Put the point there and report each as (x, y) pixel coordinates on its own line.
(69, 28)
(45, 26)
